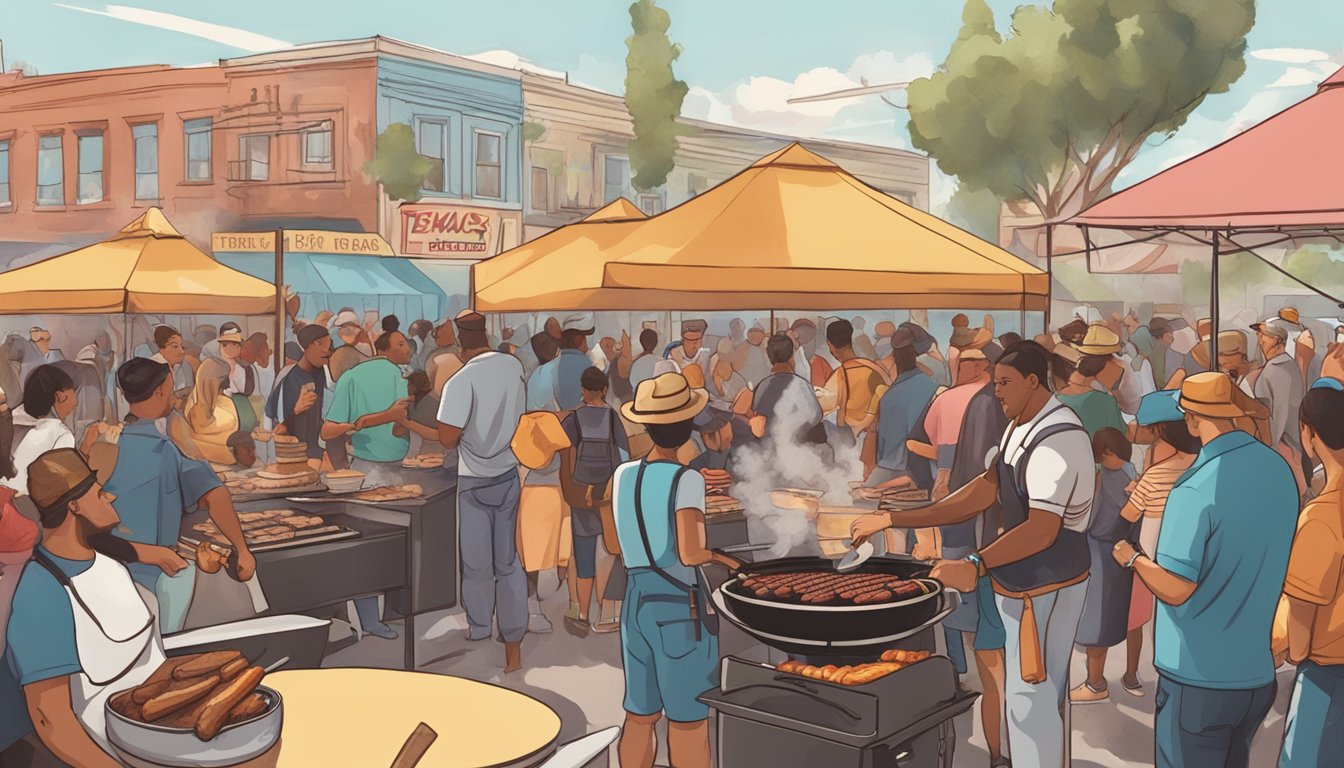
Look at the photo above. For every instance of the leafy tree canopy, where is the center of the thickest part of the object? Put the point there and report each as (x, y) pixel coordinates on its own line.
(1054, 109)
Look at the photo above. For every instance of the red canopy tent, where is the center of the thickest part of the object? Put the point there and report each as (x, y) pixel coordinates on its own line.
(1281, 180)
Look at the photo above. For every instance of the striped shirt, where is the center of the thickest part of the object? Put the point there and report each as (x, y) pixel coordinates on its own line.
(1150, 495)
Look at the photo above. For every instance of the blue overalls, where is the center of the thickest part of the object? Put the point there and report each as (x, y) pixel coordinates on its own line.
(669, 657)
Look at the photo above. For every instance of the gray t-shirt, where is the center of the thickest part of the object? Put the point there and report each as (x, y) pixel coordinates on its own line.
(485, 400)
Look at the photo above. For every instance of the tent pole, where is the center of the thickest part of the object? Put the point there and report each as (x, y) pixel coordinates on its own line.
(279, 344)
(1213, 304)
(772, 324)
(1049, 273)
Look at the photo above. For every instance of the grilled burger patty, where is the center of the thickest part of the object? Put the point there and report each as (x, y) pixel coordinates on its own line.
(820, 587)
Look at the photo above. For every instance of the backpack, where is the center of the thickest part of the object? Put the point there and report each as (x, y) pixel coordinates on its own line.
(596, 457)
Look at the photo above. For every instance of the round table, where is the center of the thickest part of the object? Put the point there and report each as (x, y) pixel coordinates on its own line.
(363, 716)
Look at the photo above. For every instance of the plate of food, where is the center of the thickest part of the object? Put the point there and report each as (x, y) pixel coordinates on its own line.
(206, 709)
(423, 461)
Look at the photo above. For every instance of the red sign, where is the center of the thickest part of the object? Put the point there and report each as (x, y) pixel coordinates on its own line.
(448, 230)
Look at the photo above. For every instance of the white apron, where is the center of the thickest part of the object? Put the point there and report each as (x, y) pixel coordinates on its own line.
(115, 637)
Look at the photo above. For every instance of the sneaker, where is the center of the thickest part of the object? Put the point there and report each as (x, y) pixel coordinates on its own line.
(606, 627)
(538, 624)
(1086, 694)
(1133, 686)
(1000, 762)
(381, 630)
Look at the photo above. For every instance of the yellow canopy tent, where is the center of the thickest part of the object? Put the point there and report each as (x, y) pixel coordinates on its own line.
(146, 268)
(793, 231)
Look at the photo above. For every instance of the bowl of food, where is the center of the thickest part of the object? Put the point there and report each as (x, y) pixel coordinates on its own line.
(217, 716)
(343, 481)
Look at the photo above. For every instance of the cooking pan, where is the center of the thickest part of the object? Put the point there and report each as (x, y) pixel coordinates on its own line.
(806, 628)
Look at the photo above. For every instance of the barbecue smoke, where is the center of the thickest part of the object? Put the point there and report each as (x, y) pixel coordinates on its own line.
(782, 461)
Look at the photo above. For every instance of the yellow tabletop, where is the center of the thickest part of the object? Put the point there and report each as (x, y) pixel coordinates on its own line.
(361, 717)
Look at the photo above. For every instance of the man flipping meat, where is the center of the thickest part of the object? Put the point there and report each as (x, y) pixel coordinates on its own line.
(1042, 481)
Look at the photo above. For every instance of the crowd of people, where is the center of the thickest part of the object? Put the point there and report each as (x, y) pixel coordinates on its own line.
(1084, 483)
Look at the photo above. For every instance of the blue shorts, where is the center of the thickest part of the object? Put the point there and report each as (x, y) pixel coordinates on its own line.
(666, 667)
(585, 556)
(989, 632)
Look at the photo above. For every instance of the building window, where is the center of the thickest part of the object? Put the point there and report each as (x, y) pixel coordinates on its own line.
(317, 145)
(50, 171)
(198, 148)
(90, 187)
(615, 177)
(4, 173)
(431, 142)
(489, 165)
(651, 204)
(541, 189)
(254, 152)
(146, 138)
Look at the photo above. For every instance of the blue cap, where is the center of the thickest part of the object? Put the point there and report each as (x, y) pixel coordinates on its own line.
(1328, 383)
(1158, 407)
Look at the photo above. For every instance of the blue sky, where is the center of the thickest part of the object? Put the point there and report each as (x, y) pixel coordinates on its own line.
(743, 59)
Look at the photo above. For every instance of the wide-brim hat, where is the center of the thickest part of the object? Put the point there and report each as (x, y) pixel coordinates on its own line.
(1229, 343)
(1099, 340)
(665, 399)
(231, 336)
(1211, 395)
(538, 438)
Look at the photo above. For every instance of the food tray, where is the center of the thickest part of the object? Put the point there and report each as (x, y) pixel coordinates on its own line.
(240, 497)
(300, 540)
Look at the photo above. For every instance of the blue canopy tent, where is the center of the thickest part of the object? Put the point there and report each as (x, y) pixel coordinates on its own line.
(392, 286)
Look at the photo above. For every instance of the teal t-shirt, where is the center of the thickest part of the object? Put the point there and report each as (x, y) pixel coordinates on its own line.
(370, 387)
(41, 634)
(1228, 526)
(1095, 410)
(155, 485)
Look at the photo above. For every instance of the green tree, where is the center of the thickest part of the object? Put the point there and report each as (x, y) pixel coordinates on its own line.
(653, 95)
(976, 211)
(397, 165)
(1052, 112)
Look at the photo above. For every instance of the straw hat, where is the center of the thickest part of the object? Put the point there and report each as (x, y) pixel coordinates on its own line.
(1229, 343)
(1099, 340)
(1210, 395)
(538, 438)
(666, 399)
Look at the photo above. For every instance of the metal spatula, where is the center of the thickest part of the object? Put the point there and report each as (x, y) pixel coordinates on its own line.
(855, 557)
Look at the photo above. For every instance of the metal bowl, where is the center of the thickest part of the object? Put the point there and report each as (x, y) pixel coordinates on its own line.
(179, 747)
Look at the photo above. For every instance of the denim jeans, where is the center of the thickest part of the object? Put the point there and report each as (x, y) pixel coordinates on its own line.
(1207, 726)
(1035, 715)
(1315, 730)
(494, 587)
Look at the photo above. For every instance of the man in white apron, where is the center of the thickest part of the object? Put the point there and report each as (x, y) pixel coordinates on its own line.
(80, 631)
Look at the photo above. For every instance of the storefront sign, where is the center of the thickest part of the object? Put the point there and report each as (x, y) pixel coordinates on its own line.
(302, 241)
(449, 231)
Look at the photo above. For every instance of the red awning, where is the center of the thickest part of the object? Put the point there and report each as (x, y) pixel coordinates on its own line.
(1285, 172)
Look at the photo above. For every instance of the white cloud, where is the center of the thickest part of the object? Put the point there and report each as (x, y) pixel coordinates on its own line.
(511, 60)
(762, 102)
(1296, 77)
(1290, 55)
(230, 36)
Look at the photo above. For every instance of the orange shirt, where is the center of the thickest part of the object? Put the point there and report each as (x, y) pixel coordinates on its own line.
(1314, 571)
